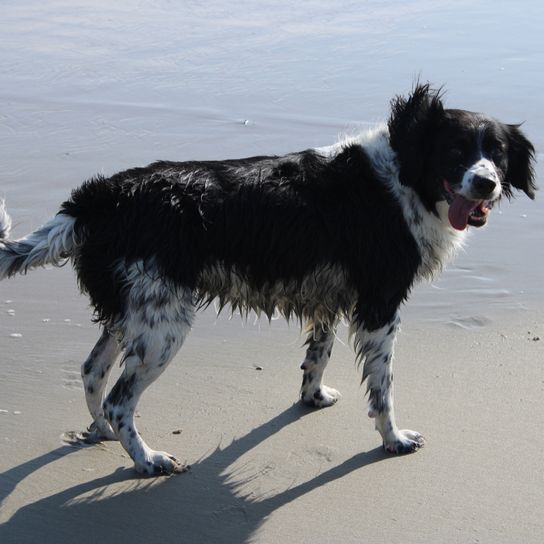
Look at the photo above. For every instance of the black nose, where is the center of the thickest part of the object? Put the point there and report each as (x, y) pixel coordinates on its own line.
(483, 186)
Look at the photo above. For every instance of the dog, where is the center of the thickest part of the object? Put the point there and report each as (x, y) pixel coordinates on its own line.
(343, 231)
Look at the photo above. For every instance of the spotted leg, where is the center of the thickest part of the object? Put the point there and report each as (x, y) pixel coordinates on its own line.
(157, 320)
(375, 348)
(313, 392)
(95, 371)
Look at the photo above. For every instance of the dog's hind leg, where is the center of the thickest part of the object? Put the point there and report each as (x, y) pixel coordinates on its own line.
(313, 392)
(375, 348)
(95, 371)
(158, 318)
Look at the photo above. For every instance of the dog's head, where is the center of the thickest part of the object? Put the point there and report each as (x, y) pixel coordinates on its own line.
(468, 159)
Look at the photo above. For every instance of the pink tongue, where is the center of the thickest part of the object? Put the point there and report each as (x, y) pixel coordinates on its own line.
(459, 211)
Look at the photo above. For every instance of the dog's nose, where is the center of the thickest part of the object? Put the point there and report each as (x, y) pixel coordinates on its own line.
(483, 186)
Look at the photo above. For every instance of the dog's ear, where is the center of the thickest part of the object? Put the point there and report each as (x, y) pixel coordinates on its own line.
(521, 156)
(412, 127)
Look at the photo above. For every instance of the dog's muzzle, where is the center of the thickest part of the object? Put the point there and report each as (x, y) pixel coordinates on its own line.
(471, 202)
(466, 211)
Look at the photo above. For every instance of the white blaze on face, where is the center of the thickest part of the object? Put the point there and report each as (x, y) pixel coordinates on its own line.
(482, 168)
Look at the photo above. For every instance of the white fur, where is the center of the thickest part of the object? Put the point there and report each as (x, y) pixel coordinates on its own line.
(51, 244)
(157, 320)
(486, 169)
(5, 221)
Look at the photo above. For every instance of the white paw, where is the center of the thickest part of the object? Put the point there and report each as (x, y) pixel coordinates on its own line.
(100, 430)
(405, 441)
(322, 397)
(157, 463)
(95, 434)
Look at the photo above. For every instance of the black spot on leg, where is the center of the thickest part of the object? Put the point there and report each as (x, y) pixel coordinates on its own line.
(120, 426)
(312, 357)
(318, 395)
(166, 349)
(122, 390)
(375, 397)
(96, 351)
(140, 350)
(88, 366)
(90, 389)
(102, 375)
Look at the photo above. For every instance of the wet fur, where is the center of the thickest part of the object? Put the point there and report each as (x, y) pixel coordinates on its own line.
(319, 235)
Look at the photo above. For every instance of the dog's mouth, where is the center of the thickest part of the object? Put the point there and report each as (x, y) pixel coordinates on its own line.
(464, 211)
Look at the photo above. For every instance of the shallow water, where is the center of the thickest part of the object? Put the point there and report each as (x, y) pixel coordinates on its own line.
(91, 87)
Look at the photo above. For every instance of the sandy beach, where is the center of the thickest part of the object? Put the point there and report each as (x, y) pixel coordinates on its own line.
(96, 88)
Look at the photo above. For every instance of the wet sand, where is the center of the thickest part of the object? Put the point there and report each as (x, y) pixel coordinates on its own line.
(102, 88)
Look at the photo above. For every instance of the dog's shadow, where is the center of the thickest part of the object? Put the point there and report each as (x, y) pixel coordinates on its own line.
(202, 505)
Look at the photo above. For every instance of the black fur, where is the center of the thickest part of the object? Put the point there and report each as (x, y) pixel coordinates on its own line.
(123, 389)
(413, 125)
(269, 218)
(521, 156)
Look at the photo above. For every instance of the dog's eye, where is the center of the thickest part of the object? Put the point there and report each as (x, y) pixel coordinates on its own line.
(497, 151)
(492, 143)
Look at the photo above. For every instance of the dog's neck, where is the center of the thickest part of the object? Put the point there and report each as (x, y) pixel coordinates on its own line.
(438, 241)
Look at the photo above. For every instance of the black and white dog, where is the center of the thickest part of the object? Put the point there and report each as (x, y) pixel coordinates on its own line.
(342, 231)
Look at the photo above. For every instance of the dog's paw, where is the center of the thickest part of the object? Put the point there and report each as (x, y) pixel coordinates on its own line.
(321, 398)
(95, 434)
(404, 442)
(99, 431)
(159, 463)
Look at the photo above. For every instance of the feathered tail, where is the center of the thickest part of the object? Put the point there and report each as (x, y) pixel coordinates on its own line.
(53, 243)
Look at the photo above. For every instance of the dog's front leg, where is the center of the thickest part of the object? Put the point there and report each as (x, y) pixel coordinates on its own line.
(374, 347)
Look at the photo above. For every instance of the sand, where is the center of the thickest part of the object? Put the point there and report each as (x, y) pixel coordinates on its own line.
(95, 87)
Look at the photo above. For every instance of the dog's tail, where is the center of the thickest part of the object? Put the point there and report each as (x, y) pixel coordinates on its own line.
(53, 243)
